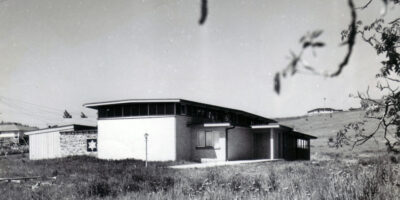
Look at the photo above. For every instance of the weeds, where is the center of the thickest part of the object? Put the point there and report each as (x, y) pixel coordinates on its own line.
(90, 178)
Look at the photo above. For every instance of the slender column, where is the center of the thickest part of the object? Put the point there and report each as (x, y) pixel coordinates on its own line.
(271, 142)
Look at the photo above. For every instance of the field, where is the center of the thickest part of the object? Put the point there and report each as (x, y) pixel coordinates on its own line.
(325, 126)
(365, 173)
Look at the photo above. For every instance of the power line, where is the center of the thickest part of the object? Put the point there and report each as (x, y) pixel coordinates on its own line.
(44, 108)
(54, 116)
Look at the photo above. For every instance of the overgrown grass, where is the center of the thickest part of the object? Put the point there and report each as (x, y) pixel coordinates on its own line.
(90, 178)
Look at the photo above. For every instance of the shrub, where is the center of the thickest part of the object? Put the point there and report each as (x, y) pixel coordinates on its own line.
(99, 188)
(272, 181)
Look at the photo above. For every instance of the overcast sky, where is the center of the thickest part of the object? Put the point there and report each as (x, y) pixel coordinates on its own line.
(57, 55)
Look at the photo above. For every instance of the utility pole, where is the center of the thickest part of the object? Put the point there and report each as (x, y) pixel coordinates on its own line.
(146, 135)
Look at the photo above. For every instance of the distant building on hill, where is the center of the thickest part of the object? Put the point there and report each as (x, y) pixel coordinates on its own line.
(354, 109)
(11, 132)
(317, 111)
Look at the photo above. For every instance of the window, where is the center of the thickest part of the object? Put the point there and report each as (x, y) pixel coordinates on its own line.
(169, 109)
(201, 139)
(152, 109)
(127, 110)
(302, 144)
(110, 112)
(118, 111)
(183, 109)
(102, 112)
(143, 109)
(178, 109)
(160, 109)
(135, 110)
(208, 139)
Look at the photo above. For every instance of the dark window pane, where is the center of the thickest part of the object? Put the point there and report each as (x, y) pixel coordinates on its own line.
(118, 111)
(183, 109)
(127, 110)
(135, 110)
(143, 109)
(189, 110)
(161, 109)
(178, 108)
(102, 112)
(110, 112)
(169, 109)
(152, 109)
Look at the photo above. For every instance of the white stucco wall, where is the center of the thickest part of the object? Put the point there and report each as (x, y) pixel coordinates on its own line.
(124, 138)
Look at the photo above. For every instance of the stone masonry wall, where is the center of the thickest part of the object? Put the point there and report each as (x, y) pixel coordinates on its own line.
(76, 144)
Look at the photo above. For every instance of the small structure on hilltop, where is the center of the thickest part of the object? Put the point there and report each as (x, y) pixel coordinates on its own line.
(12, 133)
(317, 111)
(178, 129)
(62, 141)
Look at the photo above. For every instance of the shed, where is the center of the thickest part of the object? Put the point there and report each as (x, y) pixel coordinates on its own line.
(62, 141)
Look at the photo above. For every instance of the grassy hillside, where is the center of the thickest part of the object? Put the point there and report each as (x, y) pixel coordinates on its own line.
(325, 125)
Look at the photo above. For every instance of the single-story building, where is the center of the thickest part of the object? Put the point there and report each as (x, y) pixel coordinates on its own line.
(12, 133)
(179, 129)
(62, 141)
(317, 111)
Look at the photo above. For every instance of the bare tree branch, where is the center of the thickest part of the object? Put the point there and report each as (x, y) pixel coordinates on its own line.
(203, 12)
(365, 6)
(350, 41)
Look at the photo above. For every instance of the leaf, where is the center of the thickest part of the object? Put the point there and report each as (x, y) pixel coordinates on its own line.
(306, 44)
(277, 83)
(294, 70)
(302, 39)
(318, 44)
(309, 68)
(316, 33)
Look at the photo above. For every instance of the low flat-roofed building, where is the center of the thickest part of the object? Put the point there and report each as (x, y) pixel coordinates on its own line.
(317, 111)
(11, 132)
(62, 141)
(179, 129)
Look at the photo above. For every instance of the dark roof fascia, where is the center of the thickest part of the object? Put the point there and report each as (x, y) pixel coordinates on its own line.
(74, 125)
(84, 127)
(77, 132)
(128, 101)
(304, 135)
(225, 108)
(184, 101)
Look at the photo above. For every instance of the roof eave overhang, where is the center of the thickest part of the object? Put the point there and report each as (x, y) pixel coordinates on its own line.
(55, 129)
(97, 104)
(216, 125)
(269, 126)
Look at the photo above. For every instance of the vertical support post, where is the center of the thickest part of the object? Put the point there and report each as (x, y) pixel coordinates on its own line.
(146, 135)
(271, 142)
(308, 149)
